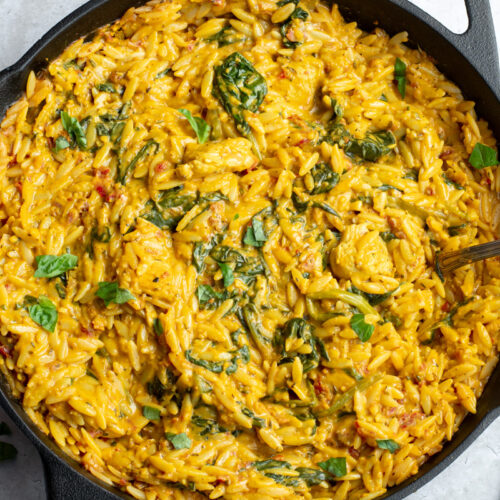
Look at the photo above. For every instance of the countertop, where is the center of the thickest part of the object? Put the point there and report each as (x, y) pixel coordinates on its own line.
(474, 475)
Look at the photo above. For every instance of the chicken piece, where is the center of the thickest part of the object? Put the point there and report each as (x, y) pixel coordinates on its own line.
(229, 155)
(361, 250)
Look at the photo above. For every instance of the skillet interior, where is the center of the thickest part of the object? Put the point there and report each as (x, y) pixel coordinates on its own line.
(398, 15)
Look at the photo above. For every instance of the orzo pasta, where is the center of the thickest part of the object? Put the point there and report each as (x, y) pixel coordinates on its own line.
(219, 225)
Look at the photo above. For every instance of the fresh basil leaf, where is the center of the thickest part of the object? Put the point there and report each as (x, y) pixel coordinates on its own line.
(106, 87)
(199, 125)
(255, 235)
(4, 429)
(213, 366)
(483, 156)
(44, 313)
(7, 451)
(157, 326)
(400, 76)
(179, 441)
(388, 444)
(363, 330)
(74, 129)
(61, 143)
(49, 266)
(111, 292)
(151, 413)
(334, 466)
(227, 274)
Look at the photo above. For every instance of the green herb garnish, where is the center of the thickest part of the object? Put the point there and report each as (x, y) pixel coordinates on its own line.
(49, 266)
(363, 330)
(199, 125)
(44, 313)
(111, 292)
(483, 156)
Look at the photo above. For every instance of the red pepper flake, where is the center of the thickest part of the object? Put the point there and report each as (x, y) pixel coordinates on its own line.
(102, 192)
(220, 481)
(282, 75)
(19, 186)
(354, 453)
(319, 388)
(122, 482)
(103, 172)
(488, 181)
(5, 351)
(305, 140)
(161, 167)
(445, 307)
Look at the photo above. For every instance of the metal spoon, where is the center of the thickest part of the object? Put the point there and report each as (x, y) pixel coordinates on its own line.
(450, 261)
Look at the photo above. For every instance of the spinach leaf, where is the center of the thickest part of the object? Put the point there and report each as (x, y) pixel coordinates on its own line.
(455, 230)
(388, 187)
(244, 354)
(363, 330)
(7, 451)
(312, 477)
(209, 425)
(298, 13)
(271, 464)
(74, 129)
(373, 146)
(201, 251)
(373, 298)
(227, 274)
(151, 413)
(298, 328)
(157, 326)
(256, 421)
(335, 466)
(179, 441)
(327, 208)
(61, 143)
(388, 444)
(412, 174)
(49, 266)
(123, 172)
(452, 183)
(199, 125)
(325, 179)
(299, 204)
(111, 292)
(239, 86)
(112, 125)
(250, 320)
(208, 298)
(44, 313)
(245, 267)
(213, 366)
(352, 372)
(163, 73)
(106, 87)
(483, 156)
(400, 76)
(388, 236)
(226, 36)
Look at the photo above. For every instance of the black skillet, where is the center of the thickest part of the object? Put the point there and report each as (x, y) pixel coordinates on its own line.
(470, 60)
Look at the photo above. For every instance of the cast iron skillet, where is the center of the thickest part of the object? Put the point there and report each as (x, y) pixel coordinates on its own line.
(470, 60)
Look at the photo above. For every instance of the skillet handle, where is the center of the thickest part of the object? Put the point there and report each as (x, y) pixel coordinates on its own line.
(64, 483)
(10, 85)
(478, 44)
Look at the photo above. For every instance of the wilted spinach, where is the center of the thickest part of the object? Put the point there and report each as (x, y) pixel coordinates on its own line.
(226, 36)
(239, 86)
